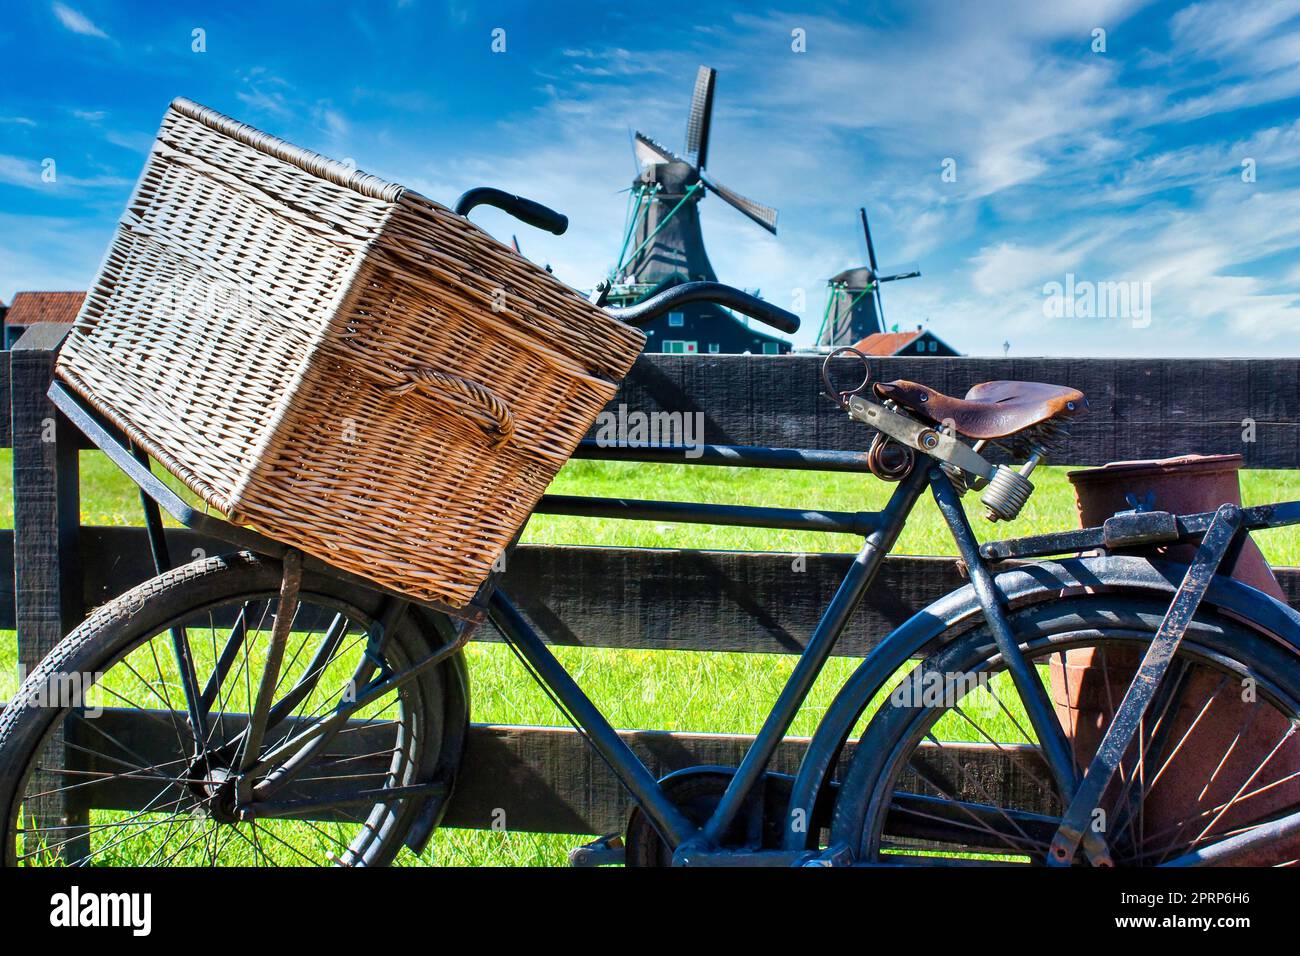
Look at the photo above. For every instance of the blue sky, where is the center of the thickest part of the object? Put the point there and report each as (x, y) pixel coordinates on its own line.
(1122, 165)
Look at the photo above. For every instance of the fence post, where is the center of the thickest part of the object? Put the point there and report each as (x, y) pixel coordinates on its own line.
(47, 571)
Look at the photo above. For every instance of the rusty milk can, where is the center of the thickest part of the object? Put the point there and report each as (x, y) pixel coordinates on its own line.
(1232, 736)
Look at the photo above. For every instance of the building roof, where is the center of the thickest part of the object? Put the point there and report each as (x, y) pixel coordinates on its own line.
(887, 343)
(28, 308)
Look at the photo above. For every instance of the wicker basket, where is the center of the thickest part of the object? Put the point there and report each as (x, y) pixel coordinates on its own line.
(336, 361)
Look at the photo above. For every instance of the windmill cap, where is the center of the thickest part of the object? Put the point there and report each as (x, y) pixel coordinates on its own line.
(857, 278)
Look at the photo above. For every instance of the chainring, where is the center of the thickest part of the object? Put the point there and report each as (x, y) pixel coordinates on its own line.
(695, 792)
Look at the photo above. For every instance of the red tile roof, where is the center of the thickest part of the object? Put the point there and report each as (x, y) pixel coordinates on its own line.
(887, 343)
(28, 308)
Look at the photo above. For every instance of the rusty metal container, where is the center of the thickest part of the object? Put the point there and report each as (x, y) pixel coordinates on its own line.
(1180, 485)
(1085, 691)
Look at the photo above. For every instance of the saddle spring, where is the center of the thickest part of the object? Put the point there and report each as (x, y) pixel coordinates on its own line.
(1007, 491)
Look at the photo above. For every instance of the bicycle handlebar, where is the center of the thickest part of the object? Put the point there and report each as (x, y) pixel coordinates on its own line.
(715, 292)
(533, 213)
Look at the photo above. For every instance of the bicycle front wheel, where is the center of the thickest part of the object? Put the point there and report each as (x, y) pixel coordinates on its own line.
(950, 772)
(112, 755)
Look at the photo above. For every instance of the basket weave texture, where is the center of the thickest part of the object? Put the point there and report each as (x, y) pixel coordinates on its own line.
(337, 361)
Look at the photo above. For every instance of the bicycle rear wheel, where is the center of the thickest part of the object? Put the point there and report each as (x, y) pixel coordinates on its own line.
(101, 762)
(949, 772)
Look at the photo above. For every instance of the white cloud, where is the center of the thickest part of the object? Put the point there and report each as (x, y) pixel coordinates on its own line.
(612, 62)
(20, 171)
(1230, 28)
(77, 22)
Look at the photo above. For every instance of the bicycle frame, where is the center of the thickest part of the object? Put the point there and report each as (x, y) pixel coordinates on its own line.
(881, 530)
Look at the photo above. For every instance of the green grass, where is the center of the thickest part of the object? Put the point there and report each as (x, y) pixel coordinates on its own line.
(717, 692)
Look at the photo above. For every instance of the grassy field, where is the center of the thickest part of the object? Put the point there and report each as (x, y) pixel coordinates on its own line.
(668, 690)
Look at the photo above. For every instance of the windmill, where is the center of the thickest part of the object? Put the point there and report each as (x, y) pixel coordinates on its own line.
(853, 306)
(663, 243)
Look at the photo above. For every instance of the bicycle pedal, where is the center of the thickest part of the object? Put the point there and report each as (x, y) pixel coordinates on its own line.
(606, 851)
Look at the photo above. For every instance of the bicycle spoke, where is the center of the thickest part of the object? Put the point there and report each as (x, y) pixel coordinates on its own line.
(226, 659)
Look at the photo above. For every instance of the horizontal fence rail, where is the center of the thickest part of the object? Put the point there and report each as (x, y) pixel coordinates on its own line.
(1138, 408)
(749, 601)
(547, 779)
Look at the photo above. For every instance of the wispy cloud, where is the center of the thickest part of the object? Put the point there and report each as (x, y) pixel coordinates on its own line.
(264, 92)
(49, 252)
(17, 171)
(615, 61)
(77, 22)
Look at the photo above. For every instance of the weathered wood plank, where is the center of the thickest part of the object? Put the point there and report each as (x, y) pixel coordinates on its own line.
(1140, 408)
(540, 779)
(711, 600)
(549, 780)
(6, 429)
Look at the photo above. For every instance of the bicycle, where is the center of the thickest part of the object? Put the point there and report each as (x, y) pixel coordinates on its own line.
(262, 707)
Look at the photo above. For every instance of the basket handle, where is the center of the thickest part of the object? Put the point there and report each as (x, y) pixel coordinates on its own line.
(470, 399)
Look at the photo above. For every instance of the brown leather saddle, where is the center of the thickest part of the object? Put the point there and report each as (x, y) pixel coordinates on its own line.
(990, 409)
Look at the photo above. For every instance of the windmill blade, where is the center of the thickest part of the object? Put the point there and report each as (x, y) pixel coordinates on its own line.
(697, 127)
(866, 230)
(650, 153)
(914, 274)
(765, 216)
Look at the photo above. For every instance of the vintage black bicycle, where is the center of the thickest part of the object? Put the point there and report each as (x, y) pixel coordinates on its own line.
(264, 708)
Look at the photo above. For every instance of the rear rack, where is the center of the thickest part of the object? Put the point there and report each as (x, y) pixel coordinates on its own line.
(1130, 529)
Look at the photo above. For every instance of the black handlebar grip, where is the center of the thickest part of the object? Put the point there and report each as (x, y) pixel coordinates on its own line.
(761, 310)
(725, 295)
(525, 210)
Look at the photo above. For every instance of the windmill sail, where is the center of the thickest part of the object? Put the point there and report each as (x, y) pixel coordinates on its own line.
(650, 153)
(854, 309)
(765, 216)
(697, 127)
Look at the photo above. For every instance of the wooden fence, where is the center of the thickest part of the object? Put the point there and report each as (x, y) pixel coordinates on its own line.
(658, 599)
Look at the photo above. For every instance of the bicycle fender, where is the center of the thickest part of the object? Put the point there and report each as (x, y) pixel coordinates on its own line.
(959, 610)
